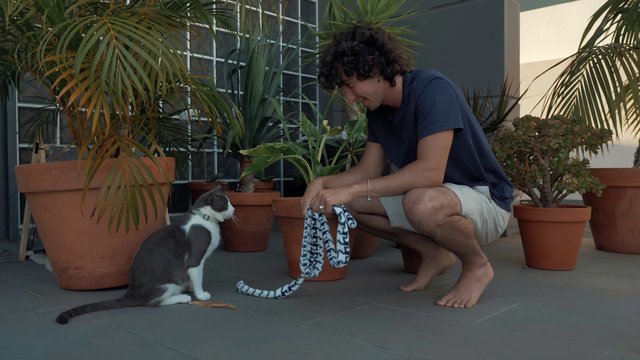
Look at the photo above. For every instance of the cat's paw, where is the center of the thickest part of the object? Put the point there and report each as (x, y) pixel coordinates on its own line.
(203, 296)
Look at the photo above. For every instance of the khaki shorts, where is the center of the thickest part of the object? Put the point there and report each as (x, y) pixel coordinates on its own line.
(489, 220)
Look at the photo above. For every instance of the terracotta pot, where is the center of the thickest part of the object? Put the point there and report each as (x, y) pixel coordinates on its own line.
(84, 255)
(253, 221)
(197, 188)
(261, 186)
(364, 244)
(615, 214)
(289, 213)
(551, 237)
(411, 259)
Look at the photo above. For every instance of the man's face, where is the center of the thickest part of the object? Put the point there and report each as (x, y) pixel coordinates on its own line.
(369, 92)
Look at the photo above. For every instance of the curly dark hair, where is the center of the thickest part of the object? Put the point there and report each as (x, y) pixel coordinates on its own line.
(363, 50)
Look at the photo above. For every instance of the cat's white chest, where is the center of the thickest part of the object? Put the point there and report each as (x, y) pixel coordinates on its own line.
(214, 232)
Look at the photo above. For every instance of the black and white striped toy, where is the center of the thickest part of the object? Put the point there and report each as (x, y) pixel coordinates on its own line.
(316, 238)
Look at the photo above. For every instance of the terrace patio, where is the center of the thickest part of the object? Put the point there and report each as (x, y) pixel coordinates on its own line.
(591, 312)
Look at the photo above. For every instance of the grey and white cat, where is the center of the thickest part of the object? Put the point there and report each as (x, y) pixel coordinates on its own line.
(171, 260)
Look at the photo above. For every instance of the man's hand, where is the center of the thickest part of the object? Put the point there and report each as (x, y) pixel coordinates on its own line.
(326, 199)
(313, 189)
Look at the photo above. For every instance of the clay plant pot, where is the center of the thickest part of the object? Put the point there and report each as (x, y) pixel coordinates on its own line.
(288, 210)
(615, 214)
(262, 186)
(253, 221)
(411, 259)
(197, 188)
(85, 255)
(551, 237)
(363, 244)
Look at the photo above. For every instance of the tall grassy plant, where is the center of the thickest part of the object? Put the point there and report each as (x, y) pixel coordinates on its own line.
(601, 82)
(114, 71)
(253, 76)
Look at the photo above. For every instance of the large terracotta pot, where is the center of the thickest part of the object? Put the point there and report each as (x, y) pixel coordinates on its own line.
(551, 237)
(198, 188)
(84, 255)
(253, 221)
(289, 213)
(363, 244)
(615, 218)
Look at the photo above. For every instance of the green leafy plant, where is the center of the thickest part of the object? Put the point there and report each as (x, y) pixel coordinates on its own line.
(309, 154)
(114, 72)
(601, 81)
(319, 151)
(253, 74)
(493, 115)
(341, 14)
(540, 157)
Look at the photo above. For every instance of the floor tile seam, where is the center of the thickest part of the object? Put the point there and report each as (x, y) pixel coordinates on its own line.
(397, 308)
(35, 312)
(149, 339)
(381, 347)
(340, 313)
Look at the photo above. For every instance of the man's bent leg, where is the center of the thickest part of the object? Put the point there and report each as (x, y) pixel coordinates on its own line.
(436, 213)
(371, 217)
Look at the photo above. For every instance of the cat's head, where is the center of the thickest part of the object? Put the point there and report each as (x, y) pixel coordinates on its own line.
(215, 203)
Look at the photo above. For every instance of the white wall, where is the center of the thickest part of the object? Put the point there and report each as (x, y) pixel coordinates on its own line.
(547, 35)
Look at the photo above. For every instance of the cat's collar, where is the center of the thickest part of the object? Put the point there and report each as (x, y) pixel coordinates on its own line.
(202, 214)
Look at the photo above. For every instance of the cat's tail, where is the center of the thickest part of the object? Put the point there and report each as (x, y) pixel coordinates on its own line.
(122, 302)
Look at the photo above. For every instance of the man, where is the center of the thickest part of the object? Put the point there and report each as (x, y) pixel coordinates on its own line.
(446, 193)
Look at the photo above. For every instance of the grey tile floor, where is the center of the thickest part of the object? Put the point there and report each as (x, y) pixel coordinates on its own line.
(592, 312)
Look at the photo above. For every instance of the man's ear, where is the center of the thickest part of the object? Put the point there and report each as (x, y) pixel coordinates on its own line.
(373, 62)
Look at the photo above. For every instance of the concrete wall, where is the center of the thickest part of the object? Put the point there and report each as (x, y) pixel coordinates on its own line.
(475, 43)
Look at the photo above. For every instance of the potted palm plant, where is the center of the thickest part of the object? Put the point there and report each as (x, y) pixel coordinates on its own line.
(601, 84)
(540, 157)
(114, 72)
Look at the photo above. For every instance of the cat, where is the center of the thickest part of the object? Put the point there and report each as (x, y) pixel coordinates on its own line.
(170, 261)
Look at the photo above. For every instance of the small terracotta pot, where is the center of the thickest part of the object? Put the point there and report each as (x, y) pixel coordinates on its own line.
(551, 237)
(289, 213)
(253, 221)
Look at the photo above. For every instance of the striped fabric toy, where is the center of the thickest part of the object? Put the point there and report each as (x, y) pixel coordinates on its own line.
(316, 237)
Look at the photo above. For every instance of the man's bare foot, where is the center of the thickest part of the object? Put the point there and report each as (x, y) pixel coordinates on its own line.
(469, 287)
(434, 262)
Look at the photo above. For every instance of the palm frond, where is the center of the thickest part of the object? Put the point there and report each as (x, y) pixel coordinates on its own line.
(600, 82)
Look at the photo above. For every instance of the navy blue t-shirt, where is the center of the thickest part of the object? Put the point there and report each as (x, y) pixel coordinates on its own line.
(432, 103)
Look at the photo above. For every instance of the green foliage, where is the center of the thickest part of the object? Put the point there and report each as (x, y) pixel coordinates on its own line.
(601, 83)
(319, 151)
(253, 75)
(308, 155)
(114, 72)
(342, 14)
(540, 157)
(492, 116)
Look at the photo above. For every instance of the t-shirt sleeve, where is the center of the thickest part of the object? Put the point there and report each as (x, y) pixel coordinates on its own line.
(437, 109)
(371, 130)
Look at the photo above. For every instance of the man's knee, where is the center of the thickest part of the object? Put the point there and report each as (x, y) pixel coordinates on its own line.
(425, 208)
